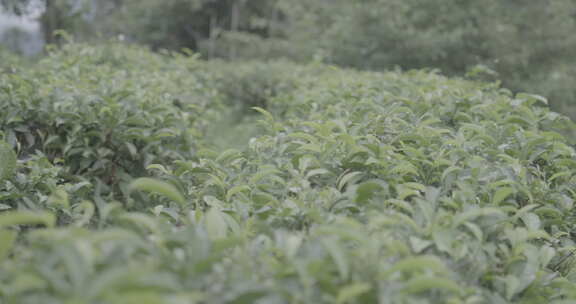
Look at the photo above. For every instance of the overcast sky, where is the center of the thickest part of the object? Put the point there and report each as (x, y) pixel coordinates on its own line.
(25, 23)
(30, 44)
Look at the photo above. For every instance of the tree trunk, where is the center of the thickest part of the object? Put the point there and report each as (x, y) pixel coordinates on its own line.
(49, 22)
(212, 37)
(234, 21)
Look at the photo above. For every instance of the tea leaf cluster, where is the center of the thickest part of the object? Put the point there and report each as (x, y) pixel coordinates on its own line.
(352, 187)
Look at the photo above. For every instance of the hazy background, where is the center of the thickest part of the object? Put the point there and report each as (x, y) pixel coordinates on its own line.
(528, 45)
(21, 34)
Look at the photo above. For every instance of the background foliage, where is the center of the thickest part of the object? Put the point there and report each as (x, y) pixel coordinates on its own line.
(529, 44)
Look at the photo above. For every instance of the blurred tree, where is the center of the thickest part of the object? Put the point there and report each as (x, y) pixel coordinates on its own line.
(529, 43)
(67, 15)
(193, 24)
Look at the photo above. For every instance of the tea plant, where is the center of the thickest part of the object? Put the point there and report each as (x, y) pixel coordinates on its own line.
(355, 187)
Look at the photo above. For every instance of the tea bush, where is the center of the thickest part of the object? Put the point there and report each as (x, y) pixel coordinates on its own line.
(104, 113)
(355, 187)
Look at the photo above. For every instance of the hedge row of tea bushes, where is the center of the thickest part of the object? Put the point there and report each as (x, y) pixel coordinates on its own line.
(88, 119)
(351, 187)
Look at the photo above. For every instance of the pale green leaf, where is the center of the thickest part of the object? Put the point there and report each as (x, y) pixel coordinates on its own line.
(350, 292)
(11, 218)
(235, 190)
(501, 194)
(215, 224)
(367, 190)
(7, 239)
(418, 263)
(266, 114)
(338, 256)
(59, 198)
(7, 161)
(474, 213)
(158, 187)
(423, 283)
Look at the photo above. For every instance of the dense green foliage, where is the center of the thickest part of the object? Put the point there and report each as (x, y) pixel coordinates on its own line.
(529, 44)
(354, 187)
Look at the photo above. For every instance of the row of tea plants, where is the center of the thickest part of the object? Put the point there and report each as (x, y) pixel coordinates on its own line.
(117, 185)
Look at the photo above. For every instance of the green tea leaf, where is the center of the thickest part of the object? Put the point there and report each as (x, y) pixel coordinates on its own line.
(158, 187)
(501, 194)
(338, 256)
(351, 292)
(7, 239)
(474, 213)
(512, 285)
(7, 161)
(59, 198)
(235, 190)
(266, 114)
(413, 264)
(367, 190)
(423, 283)
(215, 224)
(11, 218)
(140, 220)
